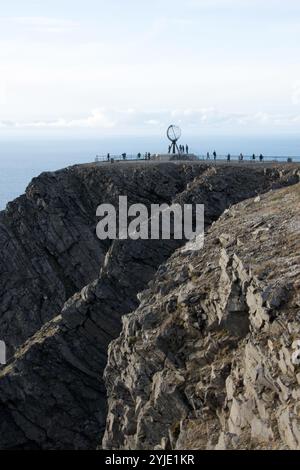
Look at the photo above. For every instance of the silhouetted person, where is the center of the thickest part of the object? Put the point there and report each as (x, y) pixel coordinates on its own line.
(169, 149)
(261, 157)
(124, 156)
(187, 149)
(149, 155)
(253, 156)
(108, 157)
(241, 157)
(228, 157)
(139, 155)
(215, 155)
(207, 156)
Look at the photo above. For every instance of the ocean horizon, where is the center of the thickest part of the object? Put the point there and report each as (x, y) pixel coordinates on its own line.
(23, 159)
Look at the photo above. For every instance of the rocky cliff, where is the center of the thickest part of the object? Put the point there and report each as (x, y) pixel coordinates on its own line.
(48, 243)
(210, 359)
(63, 293)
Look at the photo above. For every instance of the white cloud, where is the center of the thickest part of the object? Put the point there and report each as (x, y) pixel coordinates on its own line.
(97, 120)
(191, 119)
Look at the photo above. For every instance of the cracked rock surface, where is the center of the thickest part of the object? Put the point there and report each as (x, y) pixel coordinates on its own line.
(206, 361)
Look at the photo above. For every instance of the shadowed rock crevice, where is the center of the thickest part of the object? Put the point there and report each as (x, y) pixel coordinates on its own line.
(234, 311)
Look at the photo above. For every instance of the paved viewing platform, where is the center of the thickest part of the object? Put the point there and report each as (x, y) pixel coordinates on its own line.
(196, 159)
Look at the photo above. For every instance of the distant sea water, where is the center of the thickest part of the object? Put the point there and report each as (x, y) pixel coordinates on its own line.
(21, 160)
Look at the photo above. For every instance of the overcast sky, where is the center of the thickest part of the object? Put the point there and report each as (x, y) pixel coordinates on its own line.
(134, 66)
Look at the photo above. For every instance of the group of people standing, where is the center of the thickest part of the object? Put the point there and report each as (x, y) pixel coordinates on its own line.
(147, 156)
(214, 155)
(241, 157)
(185, 149)
(253, 158)
(182, 149)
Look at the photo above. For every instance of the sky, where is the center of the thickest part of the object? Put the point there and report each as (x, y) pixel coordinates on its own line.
(99, 67)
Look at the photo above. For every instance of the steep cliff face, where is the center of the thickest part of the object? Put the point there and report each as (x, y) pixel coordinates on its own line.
(209, 360)
(49, 249)
(52, 394)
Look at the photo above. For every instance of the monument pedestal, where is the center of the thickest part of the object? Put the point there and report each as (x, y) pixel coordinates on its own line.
(170, 157)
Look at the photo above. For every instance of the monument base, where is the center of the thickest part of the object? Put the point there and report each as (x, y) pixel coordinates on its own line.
(169, 157)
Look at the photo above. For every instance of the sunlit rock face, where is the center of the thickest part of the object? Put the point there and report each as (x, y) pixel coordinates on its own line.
(210, 359)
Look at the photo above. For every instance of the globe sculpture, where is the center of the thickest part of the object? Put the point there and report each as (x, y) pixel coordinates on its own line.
(173, 134)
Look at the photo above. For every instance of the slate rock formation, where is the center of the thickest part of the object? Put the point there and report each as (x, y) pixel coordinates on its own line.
(207, 361)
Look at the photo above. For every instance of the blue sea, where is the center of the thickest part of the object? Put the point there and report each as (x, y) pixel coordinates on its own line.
(22, 159)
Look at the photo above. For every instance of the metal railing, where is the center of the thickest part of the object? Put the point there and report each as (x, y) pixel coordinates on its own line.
(249, 158)
(200, 157)
(104, 158)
